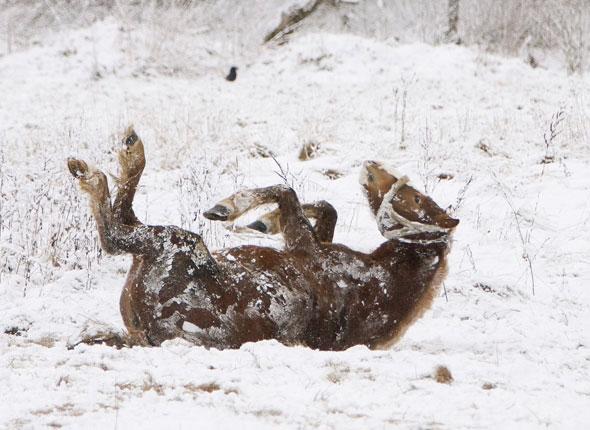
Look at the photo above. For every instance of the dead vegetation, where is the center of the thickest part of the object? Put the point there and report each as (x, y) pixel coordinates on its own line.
(148, 385)
(260, 151)
(484, 146)
(488, 289)
(209, 387)
(44, 341)
(339, 372)
(308, 151)
(332, 174)
(550, 136)
(443, 375)
(15, 331)
(68, 409)
(267, 413)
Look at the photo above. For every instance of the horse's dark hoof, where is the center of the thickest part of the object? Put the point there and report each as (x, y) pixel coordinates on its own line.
(217, 213)
(258, 226)
(130, 138)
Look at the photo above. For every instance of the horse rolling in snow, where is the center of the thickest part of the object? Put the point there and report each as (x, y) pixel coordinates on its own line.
(313, 292)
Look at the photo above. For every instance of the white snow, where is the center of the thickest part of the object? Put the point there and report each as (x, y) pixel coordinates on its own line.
(519, 360)
(191, 328)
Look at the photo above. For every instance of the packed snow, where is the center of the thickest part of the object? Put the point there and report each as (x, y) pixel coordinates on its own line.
(467, 127)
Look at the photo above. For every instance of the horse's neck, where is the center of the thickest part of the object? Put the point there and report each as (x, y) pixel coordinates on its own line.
(419, 252)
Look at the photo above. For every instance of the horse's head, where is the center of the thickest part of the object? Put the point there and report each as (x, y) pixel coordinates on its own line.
(401, 210)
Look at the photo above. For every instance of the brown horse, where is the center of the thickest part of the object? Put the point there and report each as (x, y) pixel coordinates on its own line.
(313, 293)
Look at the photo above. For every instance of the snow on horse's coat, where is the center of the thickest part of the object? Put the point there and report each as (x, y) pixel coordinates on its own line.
(313, 292)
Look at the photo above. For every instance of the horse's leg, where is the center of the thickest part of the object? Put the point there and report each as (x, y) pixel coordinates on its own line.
(115, 237)
(326, 216)
(296, 228)
(176, 252)
(322, 211)
(132, 163)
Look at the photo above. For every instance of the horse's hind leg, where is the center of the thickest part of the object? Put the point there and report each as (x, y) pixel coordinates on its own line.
(132, 163)
(323, 212)
(326, 216)
(296, 228)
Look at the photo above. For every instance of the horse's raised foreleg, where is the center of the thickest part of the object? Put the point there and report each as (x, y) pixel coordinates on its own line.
(132, 163)
(296, 228)
(322, 212)
(115, 237)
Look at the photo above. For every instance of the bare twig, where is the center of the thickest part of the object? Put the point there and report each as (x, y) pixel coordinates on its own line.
(282, 173)
(461, 196)
(549, 137)
(524, 237)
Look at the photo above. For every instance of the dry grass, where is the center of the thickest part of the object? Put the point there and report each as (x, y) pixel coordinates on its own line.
(45, 341)
(442, 375)
(209, 387)
(332, 174)
(267, 413)
(338, 373)
(64, 409)
(148, 384)
(309, 150)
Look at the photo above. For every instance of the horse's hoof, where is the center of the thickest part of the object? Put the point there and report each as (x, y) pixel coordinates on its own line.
(217, 213)
(258, 226)
(77, 168)
(130, 138)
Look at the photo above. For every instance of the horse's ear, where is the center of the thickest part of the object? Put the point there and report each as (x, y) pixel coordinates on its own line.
(376, 181)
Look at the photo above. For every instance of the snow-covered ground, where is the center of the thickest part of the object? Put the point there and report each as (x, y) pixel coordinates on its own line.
(513, 324)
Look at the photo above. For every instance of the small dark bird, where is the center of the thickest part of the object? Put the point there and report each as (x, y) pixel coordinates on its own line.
(233, 74)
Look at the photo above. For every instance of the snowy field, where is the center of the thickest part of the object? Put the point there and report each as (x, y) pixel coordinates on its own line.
(512, 324)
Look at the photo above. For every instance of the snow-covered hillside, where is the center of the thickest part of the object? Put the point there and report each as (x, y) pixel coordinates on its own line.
(468, 127)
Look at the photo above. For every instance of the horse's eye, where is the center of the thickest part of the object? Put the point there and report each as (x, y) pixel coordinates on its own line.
(370, 177)
(417, 199)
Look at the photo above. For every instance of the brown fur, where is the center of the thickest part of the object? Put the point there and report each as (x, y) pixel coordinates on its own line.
(422, 305)
(314, 292)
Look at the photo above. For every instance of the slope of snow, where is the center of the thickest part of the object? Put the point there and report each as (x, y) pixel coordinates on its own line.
(519, 360)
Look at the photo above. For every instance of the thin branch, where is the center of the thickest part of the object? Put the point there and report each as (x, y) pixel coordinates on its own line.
(525, 253)
(282, 173)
